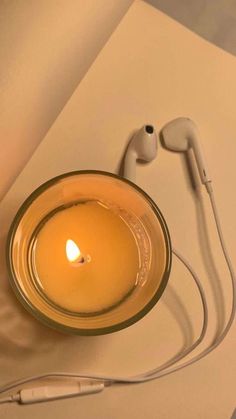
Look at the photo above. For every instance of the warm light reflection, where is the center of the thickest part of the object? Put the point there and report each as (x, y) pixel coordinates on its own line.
(72, 251)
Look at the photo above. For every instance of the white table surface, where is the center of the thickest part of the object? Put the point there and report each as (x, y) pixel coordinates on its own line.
(151, 70)
(213, 20)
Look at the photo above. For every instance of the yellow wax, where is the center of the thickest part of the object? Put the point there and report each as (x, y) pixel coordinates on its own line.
(112, 265)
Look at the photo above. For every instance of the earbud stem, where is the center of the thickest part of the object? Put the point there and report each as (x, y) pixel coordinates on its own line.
(130, 166)
(201, 164)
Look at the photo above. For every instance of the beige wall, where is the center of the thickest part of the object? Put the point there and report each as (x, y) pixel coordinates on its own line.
(46, 48)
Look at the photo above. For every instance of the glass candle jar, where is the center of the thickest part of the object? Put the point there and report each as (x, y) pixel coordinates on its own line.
(89, 253)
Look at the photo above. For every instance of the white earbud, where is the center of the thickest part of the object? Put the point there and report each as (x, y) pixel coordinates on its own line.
(181, 134)
(143, 146)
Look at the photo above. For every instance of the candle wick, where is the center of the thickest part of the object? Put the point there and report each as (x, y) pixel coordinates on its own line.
(81, 260)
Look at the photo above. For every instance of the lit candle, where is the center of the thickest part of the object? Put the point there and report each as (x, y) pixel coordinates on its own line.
(88, 253)
(86, 258)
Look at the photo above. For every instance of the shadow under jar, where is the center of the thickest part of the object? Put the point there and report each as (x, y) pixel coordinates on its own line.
(89, 253)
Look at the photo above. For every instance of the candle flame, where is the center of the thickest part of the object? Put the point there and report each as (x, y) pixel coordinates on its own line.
(73, 252)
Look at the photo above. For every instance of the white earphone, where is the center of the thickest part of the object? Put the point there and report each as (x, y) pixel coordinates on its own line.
(143, 146)
(182, 134)
(178, 135)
